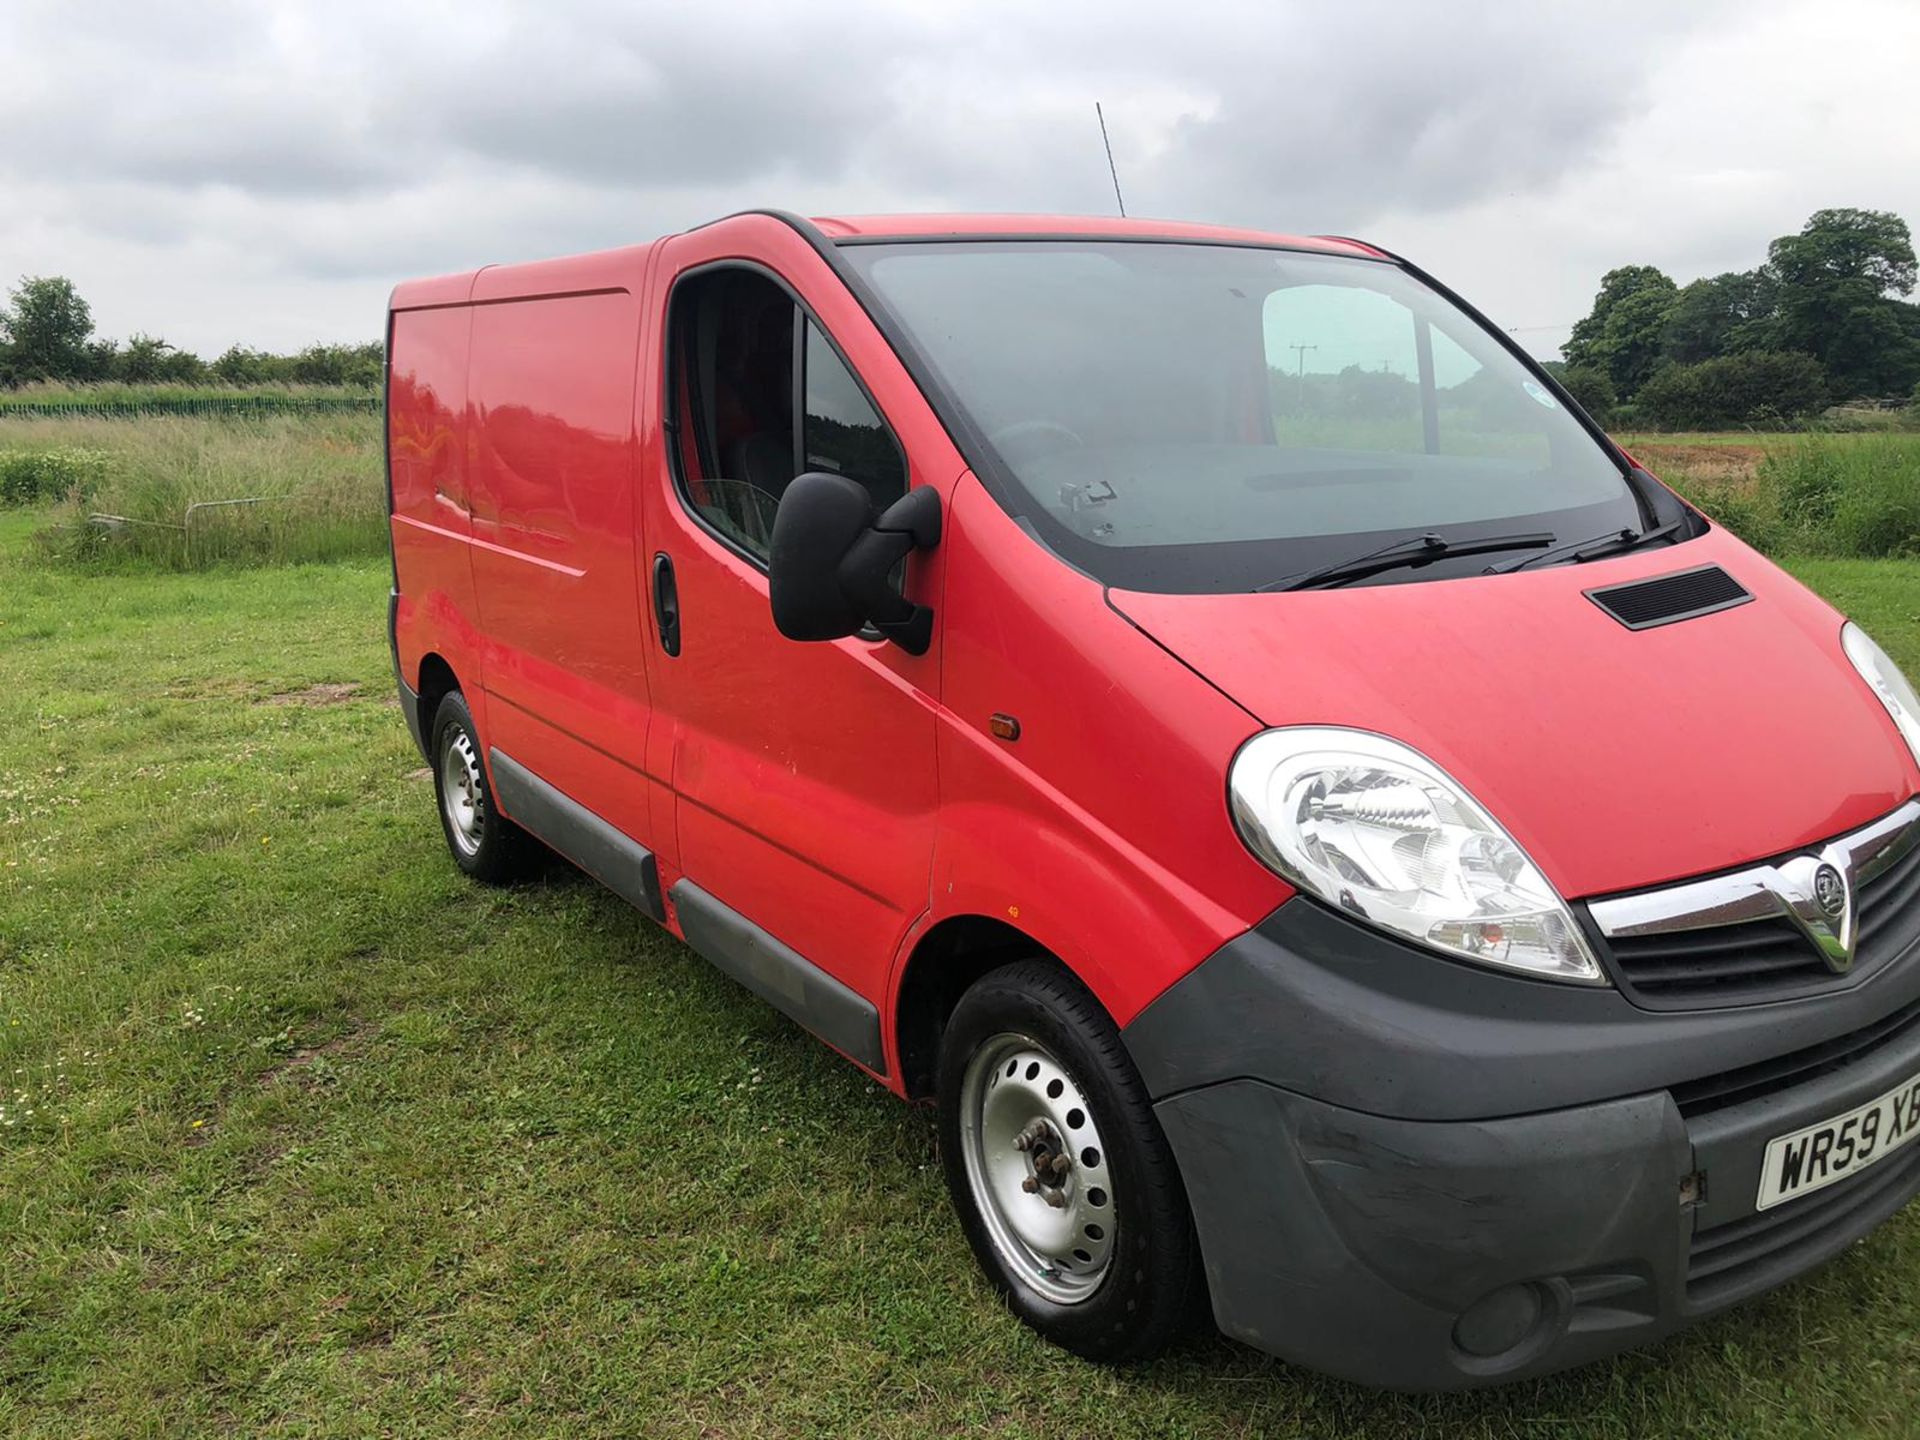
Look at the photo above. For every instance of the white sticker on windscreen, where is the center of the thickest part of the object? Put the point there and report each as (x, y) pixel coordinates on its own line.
(1539, 392)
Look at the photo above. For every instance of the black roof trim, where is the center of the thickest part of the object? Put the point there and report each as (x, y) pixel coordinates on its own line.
(1056, 237)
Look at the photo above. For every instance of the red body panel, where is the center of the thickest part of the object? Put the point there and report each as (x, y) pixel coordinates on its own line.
(847, 797)
(1617, 758)
(803, 775)
(1103, 830)
(426, 418)
(551, 436)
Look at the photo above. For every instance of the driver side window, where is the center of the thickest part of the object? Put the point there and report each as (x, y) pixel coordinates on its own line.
(759, 395)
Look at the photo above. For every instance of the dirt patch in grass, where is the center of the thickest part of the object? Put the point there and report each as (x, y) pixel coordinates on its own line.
(327, 692)
(310, 1064)
(1729, 465)
(206, 689)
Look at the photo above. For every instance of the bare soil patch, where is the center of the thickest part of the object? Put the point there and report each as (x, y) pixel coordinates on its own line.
(1730, 465)
(327, 692)
(298, 1066)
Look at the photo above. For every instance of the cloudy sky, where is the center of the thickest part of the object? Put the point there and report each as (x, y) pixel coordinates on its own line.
(237, 170)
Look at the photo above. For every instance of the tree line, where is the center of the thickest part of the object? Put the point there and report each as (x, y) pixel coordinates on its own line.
(1824, 321)
(46, 334)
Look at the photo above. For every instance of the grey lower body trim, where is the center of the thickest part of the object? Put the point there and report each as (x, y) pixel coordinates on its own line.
(780, 976)
(409, 697)
(410, 707)
(617, 861)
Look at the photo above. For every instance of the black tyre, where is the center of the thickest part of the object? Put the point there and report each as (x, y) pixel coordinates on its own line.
(484, 843)
(1062, 1178)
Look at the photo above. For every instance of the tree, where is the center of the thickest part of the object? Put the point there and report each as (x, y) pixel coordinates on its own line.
(1592, 389)
(1622, 334)
(149, 360)
(238, 365)
(358, 365)
(1872, 248)
(1718, 316)
(47, 326)
(1839, 283)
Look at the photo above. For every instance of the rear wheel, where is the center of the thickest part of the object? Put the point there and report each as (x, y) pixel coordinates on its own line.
(484, 843)
(1062, 1178)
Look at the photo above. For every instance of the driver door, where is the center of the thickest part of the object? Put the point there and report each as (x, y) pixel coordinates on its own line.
(802, 774)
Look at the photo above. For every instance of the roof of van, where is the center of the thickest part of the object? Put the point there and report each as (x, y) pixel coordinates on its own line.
(576, 271)
(877, 227)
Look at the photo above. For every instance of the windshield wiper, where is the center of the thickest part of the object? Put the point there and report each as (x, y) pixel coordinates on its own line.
(1415, 550)
(1592, 549)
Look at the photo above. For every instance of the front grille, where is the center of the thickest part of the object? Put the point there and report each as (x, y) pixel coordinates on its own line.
(1783, 1072)
(1890, 909)
(1758, 1250)
(1752, 961)
(1668, 598)
(1757, 960)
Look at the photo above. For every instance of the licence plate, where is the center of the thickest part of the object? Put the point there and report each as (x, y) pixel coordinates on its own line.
(1823, 1154)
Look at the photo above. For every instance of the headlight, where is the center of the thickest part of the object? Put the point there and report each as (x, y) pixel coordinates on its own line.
(1380, 831)
(1876, 667)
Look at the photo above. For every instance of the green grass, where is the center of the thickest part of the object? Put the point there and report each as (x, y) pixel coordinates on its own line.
(1843, 495)
(1761, 439)
(316, 480)
(304, 1134)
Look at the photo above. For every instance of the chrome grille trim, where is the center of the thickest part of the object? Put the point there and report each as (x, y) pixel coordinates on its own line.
(1782, 890)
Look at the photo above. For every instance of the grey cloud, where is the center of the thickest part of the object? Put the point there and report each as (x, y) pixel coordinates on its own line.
(329, 148)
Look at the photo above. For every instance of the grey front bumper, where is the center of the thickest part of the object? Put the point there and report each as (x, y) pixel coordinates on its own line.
(1432, 1249)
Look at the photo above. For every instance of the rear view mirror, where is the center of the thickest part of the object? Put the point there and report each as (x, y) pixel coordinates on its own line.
(832, 561)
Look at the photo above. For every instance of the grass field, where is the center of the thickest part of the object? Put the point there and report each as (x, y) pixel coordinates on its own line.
(308, 486)
(303, 1134)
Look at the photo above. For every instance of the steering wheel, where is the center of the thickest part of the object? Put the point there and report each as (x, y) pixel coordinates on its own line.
(1022, 430)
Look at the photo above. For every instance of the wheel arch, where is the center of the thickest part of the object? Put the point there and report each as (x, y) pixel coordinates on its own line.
(437, 681)
(944, 962)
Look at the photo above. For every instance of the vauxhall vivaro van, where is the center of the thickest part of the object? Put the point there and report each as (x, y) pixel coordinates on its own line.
(1345, 848)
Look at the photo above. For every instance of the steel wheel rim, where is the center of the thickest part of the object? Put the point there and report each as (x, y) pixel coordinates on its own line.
(461, 795)
(1015, 1088)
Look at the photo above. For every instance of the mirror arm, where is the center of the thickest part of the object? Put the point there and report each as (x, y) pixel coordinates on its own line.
(911, 523)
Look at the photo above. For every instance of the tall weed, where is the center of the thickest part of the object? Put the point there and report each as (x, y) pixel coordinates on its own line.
(312, 487)
(39, 475)
(1853, 496)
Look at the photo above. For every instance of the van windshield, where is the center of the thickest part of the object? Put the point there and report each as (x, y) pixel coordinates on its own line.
(1200, 417)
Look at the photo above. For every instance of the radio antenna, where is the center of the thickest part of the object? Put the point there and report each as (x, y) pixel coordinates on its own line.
(1100, 115)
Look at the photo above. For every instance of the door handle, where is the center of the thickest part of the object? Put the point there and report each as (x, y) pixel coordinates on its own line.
(666, 603)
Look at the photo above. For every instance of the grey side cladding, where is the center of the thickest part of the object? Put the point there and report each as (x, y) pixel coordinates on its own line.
(620, 863)
(409, 697)
(781, 976)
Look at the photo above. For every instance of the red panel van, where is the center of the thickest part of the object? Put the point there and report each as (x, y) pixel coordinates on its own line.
(1345, 848)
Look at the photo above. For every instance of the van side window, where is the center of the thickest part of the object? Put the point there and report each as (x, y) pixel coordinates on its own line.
(843, 433)
(745, 364)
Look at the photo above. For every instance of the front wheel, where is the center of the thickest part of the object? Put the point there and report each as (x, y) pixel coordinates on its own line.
(1064, 1183)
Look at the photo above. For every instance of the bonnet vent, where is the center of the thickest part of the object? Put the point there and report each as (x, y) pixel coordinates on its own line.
(1661, 601)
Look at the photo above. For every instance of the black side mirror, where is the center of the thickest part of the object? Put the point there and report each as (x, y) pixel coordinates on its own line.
(832, 561)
